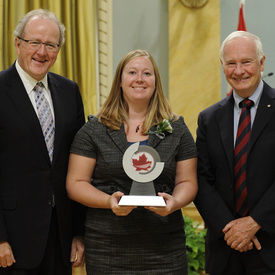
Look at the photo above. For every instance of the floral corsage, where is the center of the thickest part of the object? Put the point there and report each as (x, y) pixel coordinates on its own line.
(164, 126)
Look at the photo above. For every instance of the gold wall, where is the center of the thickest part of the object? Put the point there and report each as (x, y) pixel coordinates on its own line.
(194, 66)
(79, 270)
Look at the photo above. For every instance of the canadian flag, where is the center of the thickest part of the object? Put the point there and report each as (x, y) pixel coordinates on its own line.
(241, 27)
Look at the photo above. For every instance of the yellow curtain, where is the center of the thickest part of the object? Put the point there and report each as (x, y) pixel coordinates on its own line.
(77, 58)
(194, 66)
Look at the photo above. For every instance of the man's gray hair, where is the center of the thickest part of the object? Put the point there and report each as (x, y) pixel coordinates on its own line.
(19, 30)
(236, 34)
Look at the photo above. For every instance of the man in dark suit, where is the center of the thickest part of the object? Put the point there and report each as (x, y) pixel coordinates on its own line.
(237, 187)
(40, 228)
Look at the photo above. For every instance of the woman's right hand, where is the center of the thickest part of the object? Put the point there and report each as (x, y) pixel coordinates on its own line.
(119, 210)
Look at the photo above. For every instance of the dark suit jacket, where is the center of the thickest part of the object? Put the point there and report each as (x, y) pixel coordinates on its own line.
(215, 199)
(27, 178)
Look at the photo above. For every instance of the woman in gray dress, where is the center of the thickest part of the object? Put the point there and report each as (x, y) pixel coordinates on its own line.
(133, 239)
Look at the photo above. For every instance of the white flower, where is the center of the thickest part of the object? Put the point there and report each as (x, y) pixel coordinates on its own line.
(164, 126)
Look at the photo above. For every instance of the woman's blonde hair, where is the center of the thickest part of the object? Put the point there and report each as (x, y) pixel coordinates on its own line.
(114, 111)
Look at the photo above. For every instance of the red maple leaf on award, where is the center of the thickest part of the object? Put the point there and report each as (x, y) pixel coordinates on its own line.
(142, 163)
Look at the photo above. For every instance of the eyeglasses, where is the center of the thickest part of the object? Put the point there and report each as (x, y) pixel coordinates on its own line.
(34, 44)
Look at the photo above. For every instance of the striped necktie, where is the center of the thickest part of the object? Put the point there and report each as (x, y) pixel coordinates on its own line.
(45, 117)
(240, 155)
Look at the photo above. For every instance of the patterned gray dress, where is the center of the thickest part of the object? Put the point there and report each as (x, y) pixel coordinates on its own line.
(142, 242)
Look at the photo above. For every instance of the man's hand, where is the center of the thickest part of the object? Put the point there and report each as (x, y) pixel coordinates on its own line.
(240, 234)
(6, 255)
(77, 251)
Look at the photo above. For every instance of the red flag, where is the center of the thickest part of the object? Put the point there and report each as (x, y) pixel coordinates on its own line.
(241, 27)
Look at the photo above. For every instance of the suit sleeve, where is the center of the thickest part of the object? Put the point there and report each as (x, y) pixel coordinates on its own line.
(264, 211)
(79, 210)
(3, 231)
(210, 204)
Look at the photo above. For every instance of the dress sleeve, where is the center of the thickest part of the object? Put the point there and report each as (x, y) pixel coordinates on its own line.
(187, 146)
(83, 142)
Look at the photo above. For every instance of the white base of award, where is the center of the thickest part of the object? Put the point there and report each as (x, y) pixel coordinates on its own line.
(142, 201)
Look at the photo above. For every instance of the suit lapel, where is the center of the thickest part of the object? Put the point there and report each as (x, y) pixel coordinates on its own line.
(22, 103)
(264, 112)
(58, 98)
(119, 138)
(224, 116)
(153, 140)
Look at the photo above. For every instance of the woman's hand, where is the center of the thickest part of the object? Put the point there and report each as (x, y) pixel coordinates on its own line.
(119, 210)
(171, 205)
(185, 190)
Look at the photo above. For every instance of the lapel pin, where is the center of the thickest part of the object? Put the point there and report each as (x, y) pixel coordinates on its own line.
(268, 105)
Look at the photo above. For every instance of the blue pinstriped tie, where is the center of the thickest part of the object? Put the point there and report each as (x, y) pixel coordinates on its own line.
(45, 117)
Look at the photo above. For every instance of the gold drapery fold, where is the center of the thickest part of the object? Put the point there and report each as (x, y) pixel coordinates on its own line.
(77, 58)
(194, 65)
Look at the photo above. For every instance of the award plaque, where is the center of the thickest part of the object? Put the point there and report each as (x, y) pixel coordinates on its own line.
(142, 164)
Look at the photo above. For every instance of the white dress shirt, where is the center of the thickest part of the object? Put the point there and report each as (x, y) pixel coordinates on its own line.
(29, 84)
(255, 97)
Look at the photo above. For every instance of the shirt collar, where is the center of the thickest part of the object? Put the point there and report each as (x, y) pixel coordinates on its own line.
(28, 81)
(255, 97)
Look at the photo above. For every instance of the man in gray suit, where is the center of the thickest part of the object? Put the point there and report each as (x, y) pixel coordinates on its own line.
(40, 227)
